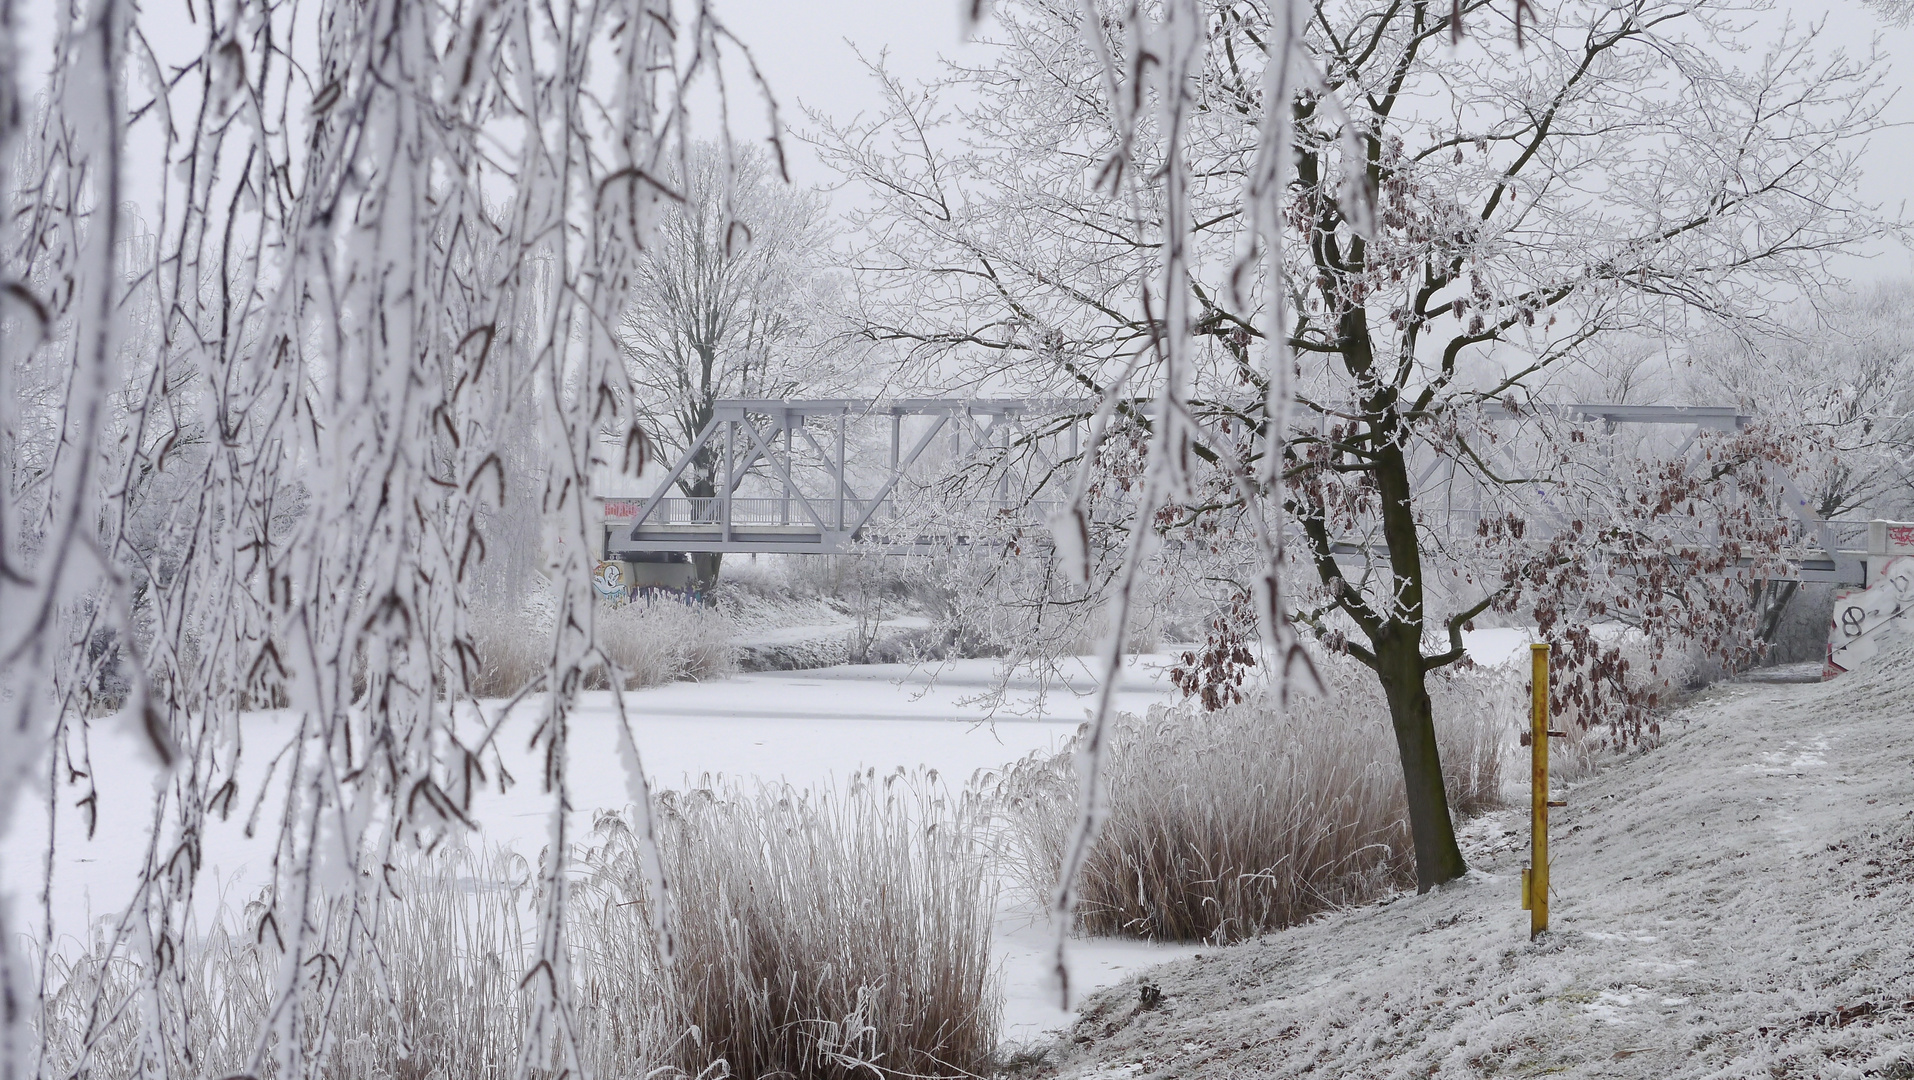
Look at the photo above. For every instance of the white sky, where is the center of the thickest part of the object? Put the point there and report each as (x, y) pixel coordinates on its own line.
(806, 51)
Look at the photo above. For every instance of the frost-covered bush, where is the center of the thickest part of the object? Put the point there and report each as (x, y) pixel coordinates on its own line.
(660, 639)
(1222, 825)
(1635, 668)
(818, 934)
(443, 996)
(654, 640)
(512, 649)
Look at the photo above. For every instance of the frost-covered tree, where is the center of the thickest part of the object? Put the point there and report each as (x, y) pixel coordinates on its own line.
(251, 454)
(1450, 201)
(1832, 377)
(729, 301)
(1839, 369)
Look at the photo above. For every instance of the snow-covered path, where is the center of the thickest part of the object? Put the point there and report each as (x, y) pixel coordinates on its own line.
(1736, 903)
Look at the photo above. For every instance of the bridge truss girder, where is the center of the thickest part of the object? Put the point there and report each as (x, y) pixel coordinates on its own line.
(768, 439)
(761, 437)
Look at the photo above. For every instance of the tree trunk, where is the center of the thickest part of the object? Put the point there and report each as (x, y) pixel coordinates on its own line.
(1771, 606)
(706, 564)
(704, 485)
(1399, 666)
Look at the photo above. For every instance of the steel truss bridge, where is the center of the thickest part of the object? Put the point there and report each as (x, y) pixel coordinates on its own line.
(825, 475)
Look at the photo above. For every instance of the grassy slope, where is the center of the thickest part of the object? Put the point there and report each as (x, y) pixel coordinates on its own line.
(1736, 903)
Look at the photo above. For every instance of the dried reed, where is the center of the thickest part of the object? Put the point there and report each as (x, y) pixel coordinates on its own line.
(660, 639)
(1220, 826)
(439, 996)
(654, 640)
(819, 935)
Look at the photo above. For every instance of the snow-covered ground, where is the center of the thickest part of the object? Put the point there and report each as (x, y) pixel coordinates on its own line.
(1735, 903)
(805, 727)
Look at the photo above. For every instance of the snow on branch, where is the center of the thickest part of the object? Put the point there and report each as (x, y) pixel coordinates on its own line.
(261, 429)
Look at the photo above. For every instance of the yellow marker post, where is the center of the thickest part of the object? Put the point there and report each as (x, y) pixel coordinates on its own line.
(1535, 875)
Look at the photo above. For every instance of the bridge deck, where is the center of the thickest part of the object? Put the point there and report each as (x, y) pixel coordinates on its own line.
(1844, 568)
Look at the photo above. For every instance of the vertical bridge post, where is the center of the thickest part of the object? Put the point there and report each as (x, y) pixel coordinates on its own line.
(843, 418)
(784, 421)
(724, 480)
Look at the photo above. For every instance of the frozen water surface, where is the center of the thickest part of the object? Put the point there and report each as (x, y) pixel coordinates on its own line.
(805, 727)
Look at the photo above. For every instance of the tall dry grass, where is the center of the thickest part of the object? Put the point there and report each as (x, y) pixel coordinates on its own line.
(653, 639)
(1220, 826)
(440, 995)
(660, 639)
(820, 935)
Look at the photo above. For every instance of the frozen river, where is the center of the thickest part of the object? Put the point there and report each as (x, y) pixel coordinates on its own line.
(805, 727)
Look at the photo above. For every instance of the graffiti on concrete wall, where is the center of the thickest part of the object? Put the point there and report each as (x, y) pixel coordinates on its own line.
(1864, 617)
(609, 581)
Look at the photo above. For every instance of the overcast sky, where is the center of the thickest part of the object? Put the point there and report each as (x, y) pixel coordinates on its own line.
(805, 49)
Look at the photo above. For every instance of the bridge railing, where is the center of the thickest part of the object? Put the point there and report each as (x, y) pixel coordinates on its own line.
(1848, 535)
(709, 510)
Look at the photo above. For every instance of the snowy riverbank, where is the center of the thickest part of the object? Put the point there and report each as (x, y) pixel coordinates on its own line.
(1732, 904)
(806, 727)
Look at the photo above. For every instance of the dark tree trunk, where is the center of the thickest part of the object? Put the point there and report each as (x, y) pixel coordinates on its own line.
(704, 485)
(1771, 600)
(1374, 444)
(1399, 666)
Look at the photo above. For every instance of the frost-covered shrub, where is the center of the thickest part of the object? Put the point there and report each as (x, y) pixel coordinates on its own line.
(653, 640)
(1221, 825)
(513, 649)
(818, 935)
(444, 996)
(1634, 668)
(1477, 711)
(659, 639)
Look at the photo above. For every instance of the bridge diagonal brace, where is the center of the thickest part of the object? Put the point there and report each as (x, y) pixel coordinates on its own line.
(1017, 434)
(838, 467)
(986, 432)
(980, 430)
(1549, 508)
(1688, 443)
(664, 487)
(783, 466)
(1044, 462)
(1815, 523)
(745, 462)
(897, 473)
